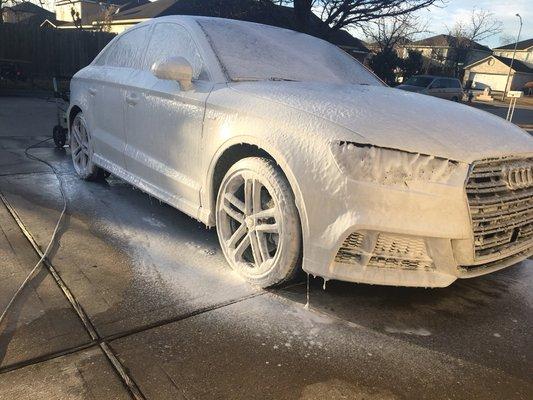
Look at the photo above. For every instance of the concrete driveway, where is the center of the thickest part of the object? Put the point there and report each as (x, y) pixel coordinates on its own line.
(171, 321)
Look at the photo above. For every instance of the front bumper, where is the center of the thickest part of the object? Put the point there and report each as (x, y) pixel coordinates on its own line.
(419, 234)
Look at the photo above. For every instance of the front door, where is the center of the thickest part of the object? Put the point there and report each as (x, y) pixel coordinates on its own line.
(164, 123)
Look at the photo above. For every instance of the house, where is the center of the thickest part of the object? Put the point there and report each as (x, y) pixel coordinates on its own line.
(86, 14)
(268, 13)
(524, 51)
(493, 72)
(446, 53)
(25, 13)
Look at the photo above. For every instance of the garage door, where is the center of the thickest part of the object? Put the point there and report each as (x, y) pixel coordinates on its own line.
(494, 82)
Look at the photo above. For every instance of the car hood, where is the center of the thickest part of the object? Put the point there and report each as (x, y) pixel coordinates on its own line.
(392, 118)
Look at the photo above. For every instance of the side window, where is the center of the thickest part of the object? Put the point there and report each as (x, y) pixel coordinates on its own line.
(172, 40)
(102, 56)
(128, 49)
(438, 84)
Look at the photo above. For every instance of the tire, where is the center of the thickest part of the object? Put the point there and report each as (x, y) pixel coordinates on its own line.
(81, 150)
(257, 222)
(59, 136)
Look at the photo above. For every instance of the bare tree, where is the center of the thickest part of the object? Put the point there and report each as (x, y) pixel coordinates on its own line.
(386, 37)
(506, 39)
(392, 32)
(105, 17)
(480, 25)
(338, 14)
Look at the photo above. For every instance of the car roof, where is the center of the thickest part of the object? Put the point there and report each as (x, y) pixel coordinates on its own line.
(193, 19)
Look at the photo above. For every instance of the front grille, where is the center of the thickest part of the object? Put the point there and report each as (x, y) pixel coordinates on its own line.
(500, 198)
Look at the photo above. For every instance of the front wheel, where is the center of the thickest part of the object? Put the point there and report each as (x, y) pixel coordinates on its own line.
(257, 222)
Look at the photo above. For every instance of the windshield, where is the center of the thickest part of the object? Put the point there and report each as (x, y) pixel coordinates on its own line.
(420, 81)
(249, 51)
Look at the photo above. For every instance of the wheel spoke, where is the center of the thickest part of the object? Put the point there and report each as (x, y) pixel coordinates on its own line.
(78, 156)
(233, 214)
(267, 228)
(243, 245)
(268, 213)
(248, 197)
(76, 134)
(233, 200)
(236, 236)
(262, 243)
(84, 136)
(256, 250)
(256, 196)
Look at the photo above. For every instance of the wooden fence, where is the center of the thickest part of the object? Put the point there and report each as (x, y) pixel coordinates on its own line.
(46, 52)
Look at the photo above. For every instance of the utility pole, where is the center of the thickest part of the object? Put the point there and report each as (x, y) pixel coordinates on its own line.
(514, 55)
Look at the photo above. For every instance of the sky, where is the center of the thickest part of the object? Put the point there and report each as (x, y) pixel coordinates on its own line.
(503, 10)
(453, 10)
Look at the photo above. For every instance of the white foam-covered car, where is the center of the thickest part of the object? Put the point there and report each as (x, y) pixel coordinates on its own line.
(300, 155)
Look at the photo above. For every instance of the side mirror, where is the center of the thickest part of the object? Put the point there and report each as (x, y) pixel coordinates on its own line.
(174, 69)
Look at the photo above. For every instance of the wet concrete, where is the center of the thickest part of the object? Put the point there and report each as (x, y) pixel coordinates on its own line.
(41, 321)
(155, 284)
(83, 375)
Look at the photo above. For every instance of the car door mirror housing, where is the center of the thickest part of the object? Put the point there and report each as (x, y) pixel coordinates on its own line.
(174, 69)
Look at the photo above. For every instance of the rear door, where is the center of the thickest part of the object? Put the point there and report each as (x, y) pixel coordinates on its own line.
(108, 94)
(164, 123)
(455, 90)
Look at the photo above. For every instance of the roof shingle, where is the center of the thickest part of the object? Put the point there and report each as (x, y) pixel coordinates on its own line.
(522, 45)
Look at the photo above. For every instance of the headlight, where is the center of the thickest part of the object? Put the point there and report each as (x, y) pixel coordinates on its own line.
(363, 162)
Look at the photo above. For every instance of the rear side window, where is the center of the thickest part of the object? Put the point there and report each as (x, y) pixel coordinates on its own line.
(454, 83)
(101, 58)
(128, 50)
(172, 40)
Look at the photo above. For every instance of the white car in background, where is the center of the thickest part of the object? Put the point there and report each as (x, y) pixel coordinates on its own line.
(300, 155)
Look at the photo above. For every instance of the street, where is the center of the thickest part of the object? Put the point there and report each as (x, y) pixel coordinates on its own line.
(155, 286)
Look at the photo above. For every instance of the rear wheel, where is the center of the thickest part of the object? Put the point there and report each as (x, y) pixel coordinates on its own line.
(257, 222)
(81, 150)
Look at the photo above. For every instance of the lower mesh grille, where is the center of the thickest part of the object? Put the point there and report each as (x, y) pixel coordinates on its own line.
(384, 251)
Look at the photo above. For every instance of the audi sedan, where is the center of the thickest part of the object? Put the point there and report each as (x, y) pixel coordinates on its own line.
(301, 157)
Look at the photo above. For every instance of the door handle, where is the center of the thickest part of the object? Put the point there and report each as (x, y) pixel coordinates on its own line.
(92, 91)
(132, 99)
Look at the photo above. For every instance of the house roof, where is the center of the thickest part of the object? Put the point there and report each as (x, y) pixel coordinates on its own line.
(246, 10)
(443, 40)
(518, 66)
(27, 7)
(129, 4)
(522, 45)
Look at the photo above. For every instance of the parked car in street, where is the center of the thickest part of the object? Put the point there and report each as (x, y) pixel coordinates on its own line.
(438, 86)
(301, 156)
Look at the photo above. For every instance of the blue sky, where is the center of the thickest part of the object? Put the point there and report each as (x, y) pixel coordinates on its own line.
(504, 10)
